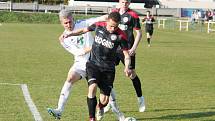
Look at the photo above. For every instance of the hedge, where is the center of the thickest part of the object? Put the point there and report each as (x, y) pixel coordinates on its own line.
(29, 17)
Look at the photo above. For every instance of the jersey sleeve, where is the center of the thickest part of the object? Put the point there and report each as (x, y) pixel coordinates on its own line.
(92, 27)
(144, 19)
(123, 40)
(89, 39)
(91, 21)
(71, 48)
(153, 19)
(136, 21)
(115, 10)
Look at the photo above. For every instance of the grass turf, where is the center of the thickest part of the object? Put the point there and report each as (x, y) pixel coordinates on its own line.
(177, 75)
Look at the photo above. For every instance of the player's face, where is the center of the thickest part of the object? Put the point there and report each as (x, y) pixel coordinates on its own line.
(67, 23)
(148, 13)
(111, 25)
(124, 4)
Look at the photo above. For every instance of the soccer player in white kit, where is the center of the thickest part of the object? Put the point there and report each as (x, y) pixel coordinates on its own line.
(79, 46)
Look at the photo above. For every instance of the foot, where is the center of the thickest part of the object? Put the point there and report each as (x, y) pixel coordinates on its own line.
(107, 108)
(92, 119)
(100, 114)
(141, 104)
(121, 117)
(54, 112)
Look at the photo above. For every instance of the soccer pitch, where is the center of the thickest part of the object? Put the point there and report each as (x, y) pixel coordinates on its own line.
(177, 75)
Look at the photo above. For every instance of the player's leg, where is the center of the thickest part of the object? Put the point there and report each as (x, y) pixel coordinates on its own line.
(93, 75)
(103, 101)
(76, 72)
(148, 39)
(64, 94)
(91, 99)
(105, 85)
(137, 85)
(112, 100)
(115, 107)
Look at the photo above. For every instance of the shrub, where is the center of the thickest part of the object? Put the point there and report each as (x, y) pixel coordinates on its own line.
(28, 17)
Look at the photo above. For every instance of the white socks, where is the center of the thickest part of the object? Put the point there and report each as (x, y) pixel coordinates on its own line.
(64, 95)
(112, 102)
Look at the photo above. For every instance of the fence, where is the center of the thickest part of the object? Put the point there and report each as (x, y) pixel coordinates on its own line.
(35, 7)
(6, 5)
(184, 24)
(171, 22)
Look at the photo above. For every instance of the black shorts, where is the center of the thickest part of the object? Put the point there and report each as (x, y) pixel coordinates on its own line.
(104, 78)
(120, 57)
(150, 31)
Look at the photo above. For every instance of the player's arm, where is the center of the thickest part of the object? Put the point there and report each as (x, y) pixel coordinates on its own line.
(124, 47)
(98, 19)
(86, 50)
(77, 32)
(143, 20)
(137, 29)
(153, 19)
(136, 42)
(127, 61)
(83, 30)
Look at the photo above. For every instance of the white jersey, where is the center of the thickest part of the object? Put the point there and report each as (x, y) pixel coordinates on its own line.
(76, 44)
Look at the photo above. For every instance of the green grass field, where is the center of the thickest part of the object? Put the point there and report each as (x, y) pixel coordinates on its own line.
(177, 74)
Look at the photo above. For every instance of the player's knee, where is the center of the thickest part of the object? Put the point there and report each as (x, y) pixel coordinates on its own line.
(104, 100)
(92, 90)
(133, 75)
(72, 79)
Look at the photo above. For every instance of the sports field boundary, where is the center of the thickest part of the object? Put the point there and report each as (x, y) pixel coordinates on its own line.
(28, 100)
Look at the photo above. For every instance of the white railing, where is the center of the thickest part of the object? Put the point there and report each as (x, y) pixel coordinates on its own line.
(6, 5)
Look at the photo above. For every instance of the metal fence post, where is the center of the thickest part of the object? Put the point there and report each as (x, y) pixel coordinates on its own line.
(62, 6)
(35, 6)
(86, 9)
(9, 5)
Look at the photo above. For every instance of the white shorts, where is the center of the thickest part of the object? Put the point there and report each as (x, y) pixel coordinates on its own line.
(79, 67)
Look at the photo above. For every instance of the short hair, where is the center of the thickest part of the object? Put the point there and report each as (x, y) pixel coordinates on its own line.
(115, 16)
(147, 11)
(65, 14)
(127, 0)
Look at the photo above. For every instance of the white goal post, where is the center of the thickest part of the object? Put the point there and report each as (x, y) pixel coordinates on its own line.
(210, 23)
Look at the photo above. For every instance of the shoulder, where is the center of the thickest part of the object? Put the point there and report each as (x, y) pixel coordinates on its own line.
(152, 17)
(133, 13)
(100, 23)
(121, 34)
(80, 21)
(115, 10)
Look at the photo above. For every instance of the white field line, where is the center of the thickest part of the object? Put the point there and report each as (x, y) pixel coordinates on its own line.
(10, 84)
(28, 100)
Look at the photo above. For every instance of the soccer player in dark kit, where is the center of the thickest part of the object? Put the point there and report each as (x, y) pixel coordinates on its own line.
(101, 65)
(149, 20)
(129, 22)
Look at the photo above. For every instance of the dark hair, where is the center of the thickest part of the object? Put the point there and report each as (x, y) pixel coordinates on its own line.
(115, 16)
(147, 11)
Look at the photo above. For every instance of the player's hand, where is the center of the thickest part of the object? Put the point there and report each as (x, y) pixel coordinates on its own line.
(61, 38)
(127, 72)
(131, 52)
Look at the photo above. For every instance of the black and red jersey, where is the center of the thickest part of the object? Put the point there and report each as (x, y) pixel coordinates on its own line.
(129, 21)
(105, 45)
(149, 22)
